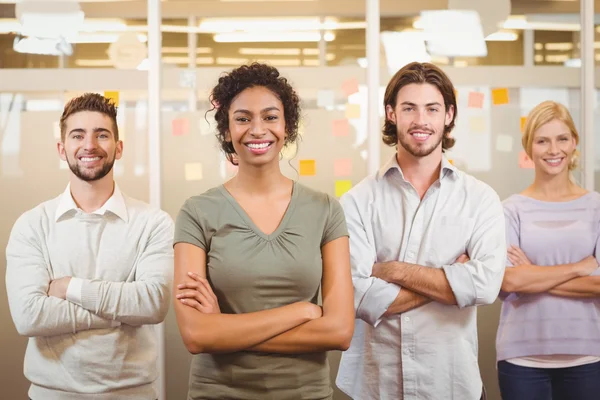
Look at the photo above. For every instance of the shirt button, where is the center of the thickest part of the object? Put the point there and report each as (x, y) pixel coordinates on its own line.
(411, 254)
(407, 319)
(406, 352)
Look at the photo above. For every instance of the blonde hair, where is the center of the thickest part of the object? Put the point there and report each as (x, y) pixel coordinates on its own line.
(542, 114)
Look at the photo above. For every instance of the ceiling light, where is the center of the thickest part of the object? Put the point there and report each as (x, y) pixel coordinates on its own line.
(241, 37)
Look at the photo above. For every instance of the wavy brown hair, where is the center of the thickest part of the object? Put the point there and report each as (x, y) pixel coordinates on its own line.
(89, 102)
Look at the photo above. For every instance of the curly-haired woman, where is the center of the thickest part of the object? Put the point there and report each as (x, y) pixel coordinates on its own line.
(252, 254)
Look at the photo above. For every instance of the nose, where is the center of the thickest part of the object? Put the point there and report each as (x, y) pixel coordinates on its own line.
(256, 127)
(420, 119)
(90, 142)
(553, 147)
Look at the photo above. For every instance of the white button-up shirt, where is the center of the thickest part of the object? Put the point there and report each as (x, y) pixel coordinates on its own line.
(429, 353)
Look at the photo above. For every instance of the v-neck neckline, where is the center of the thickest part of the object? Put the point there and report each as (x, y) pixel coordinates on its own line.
(244, 215)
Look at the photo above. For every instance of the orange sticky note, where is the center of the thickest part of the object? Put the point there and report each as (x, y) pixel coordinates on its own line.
(180, 126)
(342, 167)
(500, 96)
(451, 161)
(308, 168)
(524, 161)
(350, 86)
(523, 121)
(342, 187)
(340, 127)
(114, 96)
(475, 100)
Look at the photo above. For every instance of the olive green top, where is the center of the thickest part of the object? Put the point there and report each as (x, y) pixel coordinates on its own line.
(250, 271)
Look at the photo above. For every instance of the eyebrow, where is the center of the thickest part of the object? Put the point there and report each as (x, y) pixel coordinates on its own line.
(262, 111)
(95, 130)
(408, 103)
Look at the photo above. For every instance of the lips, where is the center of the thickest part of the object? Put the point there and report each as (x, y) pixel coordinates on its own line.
(258, 146)
(420, 136)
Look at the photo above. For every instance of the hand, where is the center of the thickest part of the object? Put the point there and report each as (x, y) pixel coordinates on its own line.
(383, 270)
(58, 287)
(517, 256)
(463, 258)
(587, 265)
(199, 295)
(314, 311)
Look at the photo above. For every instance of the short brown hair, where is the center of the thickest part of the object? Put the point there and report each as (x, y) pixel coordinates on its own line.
(419, 73)
(543, 113)
(89, 102)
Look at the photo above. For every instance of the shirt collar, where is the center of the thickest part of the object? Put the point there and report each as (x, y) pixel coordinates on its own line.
(115, 204)
(393, 164)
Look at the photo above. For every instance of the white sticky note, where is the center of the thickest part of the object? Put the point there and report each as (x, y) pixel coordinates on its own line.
(193, 172)
(504, 143)
(56, 130)
(63, 165)
(325, 98)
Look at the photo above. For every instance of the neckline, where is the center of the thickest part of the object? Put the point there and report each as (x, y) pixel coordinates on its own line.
(244, 215)
(583, 196)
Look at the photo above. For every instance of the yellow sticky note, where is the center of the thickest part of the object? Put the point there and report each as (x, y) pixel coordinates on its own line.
(451, 161)
(342, 167)
(114, 96)
(353, 111)
(477, 124)
(523, 121)
(500, 96)
(308, 168)
(193, 172)
(342, 187)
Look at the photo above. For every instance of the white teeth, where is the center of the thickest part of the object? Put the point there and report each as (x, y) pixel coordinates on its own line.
(89, 159)
(420, 135)
(258, 145)
(554, 161)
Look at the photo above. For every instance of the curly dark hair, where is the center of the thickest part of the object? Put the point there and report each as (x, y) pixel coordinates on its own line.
(233, 83)
(89, 102)
(416, 72)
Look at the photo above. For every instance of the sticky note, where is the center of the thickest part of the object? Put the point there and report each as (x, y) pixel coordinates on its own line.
(325, 98)
(523, 121)
(500, 96)
(504, 143)
(180, 126)
(342, 187)
(475, 100)
(477, 124)
(342, 167)
(340, 127)
(289, 152)
(350, 86)
(524, 161)
(451, 161)
(187, 78)
(63, 165)
(353, 111)
(308, 168)
(193, 171)
(56, 130)
(114, 96)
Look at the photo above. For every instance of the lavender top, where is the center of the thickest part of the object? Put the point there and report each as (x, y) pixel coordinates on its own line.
(550, 233)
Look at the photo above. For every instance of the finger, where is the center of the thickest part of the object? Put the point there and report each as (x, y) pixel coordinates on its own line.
(209, 289)
(189, 285)
(210, 299)
(195, 295)
(191, 303)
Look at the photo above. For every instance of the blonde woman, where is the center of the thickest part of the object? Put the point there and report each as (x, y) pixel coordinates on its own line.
(548, 342)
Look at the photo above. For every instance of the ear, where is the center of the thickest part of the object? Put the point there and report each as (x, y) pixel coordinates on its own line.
(119, 150)
(390, 115)
(449, 115)
(60, 147)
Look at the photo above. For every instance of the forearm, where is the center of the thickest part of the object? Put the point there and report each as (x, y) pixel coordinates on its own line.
(227, 333)
(537, 279)
(405, 301)
(426, 281)
(132, 303)
(584, 287)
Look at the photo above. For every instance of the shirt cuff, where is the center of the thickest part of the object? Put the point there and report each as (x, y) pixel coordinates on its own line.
(462, 285)
(376, 301)
(74, 291)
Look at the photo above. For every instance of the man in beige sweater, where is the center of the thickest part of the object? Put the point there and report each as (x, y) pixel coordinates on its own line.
(89, 273)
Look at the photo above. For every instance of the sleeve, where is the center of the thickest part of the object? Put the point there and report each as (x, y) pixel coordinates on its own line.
(511, 217)
(478, 281)
(146, 300)
(335, 225)
(372, 296)
(28, 277)
(188, 227)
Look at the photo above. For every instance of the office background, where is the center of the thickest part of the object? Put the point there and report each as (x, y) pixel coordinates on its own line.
(534, 53)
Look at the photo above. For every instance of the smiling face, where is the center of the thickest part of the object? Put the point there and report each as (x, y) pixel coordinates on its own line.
(89, 147)
(420, 117)
(552, 148)
(256, 126)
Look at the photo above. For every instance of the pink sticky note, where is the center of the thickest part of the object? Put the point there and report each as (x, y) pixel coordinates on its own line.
(180, 126)
(340, 127)
(342, 167)
(475, 100)
(524, 161)
(350, 86)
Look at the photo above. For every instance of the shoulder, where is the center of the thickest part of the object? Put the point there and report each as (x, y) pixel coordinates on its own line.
(39, 215)
(140, 210)
(476, 187)
(362, 194)
(316, 201)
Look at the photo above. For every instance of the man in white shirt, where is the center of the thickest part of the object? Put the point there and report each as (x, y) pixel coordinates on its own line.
(427, 244)
(89, 272)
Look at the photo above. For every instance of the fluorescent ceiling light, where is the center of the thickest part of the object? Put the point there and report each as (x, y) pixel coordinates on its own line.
(33, 45)
(185, 50)
(250, 51)
(284, 24)
(454, 33)
(402, 48)
(502, 37)
(186, 60)
(266, 37)
(103, 38)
